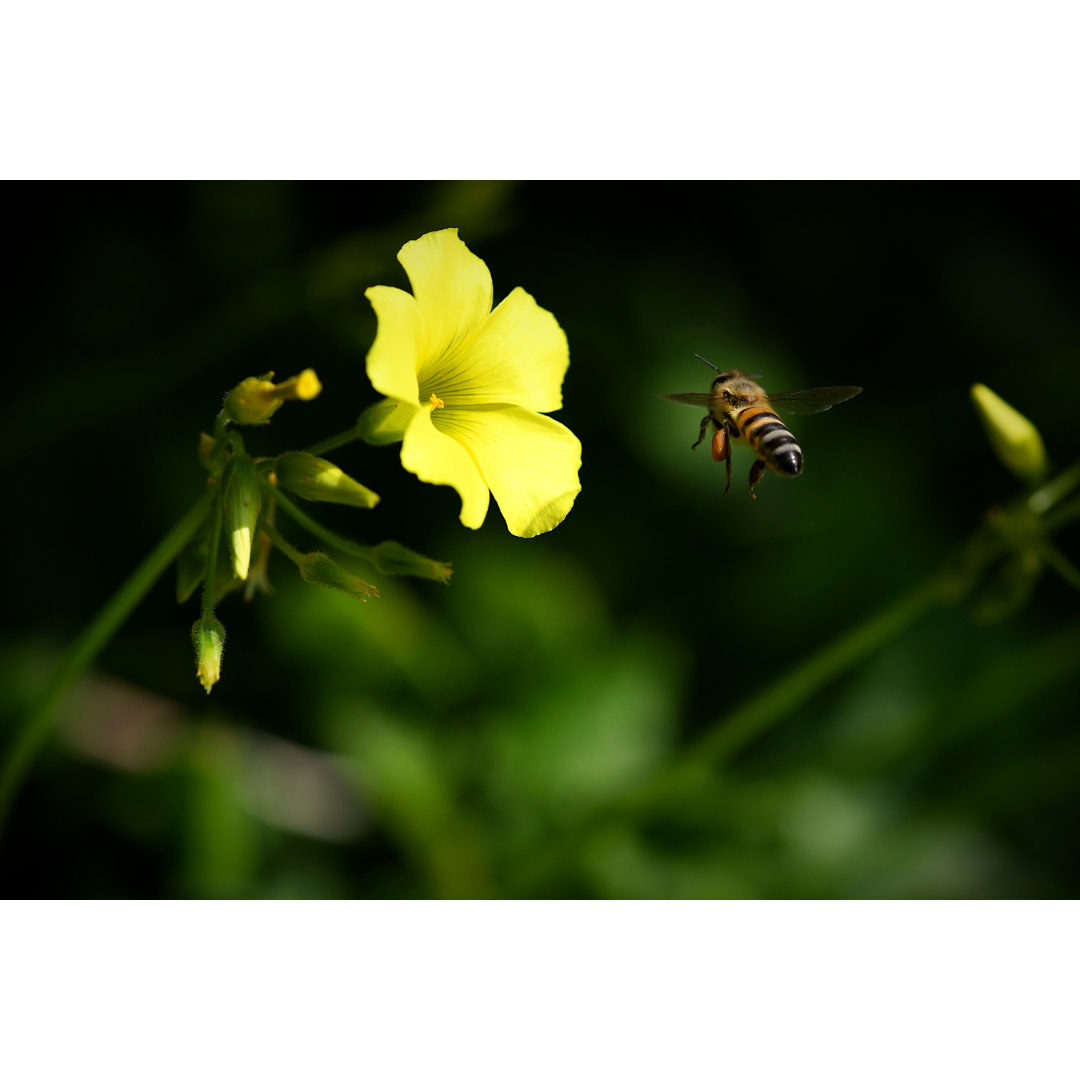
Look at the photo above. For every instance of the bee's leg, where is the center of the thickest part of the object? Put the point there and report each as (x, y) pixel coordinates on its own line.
(755, 475)
(701, 433)
(721, 451)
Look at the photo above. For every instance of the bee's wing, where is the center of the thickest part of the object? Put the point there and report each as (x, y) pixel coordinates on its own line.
(805, 402)
(699, 401)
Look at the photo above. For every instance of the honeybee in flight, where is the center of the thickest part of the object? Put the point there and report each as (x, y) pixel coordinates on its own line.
(740, 409)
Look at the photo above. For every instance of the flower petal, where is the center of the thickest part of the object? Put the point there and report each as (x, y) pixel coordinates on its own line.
(399, 343)
(436, 458)
(529, 461)
(518, 357)
(452, 287)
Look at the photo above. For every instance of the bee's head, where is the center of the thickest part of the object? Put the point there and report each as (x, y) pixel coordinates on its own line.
(723, 382)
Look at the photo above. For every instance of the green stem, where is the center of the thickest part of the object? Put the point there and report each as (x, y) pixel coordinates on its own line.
(779, 701)
(791, 691)
(1062, 515)
(38, 720)
(389, 557)
(295, 554)
(1052, 492)
(320, 531)
(221, 425)
(212, 551)
(1053, 558)
(334, 442)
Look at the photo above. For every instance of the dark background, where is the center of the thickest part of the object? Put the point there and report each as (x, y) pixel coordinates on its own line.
(458, 741)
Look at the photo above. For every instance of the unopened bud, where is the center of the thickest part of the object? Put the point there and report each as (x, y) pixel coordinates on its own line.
(242, 500)
(390, 557)
(384, 422)
(1015, 439)
(320, 569)
(208, 636)
(256, 399)
(321, 481)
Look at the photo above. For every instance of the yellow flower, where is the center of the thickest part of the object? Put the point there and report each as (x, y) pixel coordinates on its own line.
(465, 388)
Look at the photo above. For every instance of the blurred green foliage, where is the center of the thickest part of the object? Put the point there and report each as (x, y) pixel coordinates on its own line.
(513, 734)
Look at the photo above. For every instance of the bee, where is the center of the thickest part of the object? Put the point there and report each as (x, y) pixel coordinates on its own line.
(740, 409)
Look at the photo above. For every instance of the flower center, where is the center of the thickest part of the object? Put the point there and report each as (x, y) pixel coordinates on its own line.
(436, 402)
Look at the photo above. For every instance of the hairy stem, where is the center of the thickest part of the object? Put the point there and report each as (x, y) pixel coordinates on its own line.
(320, 531)
(36, 724)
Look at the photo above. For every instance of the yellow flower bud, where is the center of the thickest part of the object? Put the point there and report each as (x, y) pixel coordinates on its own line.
(241, 502)
(208, 636)
(302, 387)
(321, 481)
(252, 402)
(256, 399)
(1015, 439)
(320, 569)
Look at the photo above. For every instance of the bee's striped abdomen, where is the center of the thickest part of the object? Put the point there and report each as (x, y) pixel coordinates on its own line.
(770, 439)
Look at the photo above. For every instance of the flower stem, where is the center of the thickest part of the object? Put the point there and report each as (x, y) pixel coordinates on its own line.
(1052, 492)
(320, 531)
(282, 544)
(334, 442)
(210, 580)
(37, 722)
(765, 710)
(783, 698)
(1053, 558)
(1060, 516)
(388, 557)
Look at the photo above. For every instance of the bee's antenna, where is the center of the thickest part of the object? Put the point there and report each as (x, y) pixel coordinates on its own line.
(704, 361)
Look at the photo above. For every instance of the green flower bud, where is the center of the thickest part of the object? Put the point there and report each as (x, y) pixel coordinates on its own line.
(384, 422)
(241, 502)
(1015, 439)
(390, 557)
(321, 481)
(320, 569)
(208, 636)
